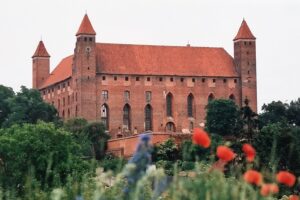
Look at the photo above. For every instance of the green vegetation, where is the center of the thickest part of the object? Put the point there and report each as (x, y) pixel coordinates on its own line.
(43, 158)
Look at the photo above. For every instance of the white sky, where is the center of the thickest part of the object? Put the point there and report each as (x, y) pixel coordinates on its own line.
(212, 23)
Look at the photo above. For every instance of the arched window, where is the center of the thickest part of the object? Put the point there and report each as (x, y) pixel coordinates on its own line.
(232, 97)
(170, 127)
(126, 117)
(68, 113)
(63, 114)
(190, 105)
(211, 97)
(148, 118)
(169, 102)
(105, 115)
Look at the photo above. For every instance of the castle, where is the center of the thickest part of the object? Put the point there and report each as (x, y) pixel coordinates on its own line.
(135, 88)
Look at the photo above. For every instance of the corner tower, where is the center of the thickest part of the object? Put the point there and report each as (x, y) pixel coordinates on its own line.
(245, 61)
(84, 70)
(40, 65)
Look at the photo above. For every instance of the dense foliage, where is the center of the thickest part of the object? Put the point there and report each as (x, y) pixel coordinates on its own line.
(42, 151)
(27, 106)
(223, 117)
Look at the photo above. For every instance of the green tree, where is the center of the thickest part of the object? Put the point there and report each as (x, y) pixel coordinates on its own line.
(293, 112)
(49, 152)
(223, 117)
(279, 145)
(249, 118)
(96, 134)
(27, 106)
(167, 150)
(5, 94)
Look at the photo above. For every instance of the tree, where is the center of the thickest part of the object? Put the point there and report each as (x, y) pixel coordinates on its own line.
(223, 117)
(167, 150)
(27, 106)
(95, 132)
(249, 119)
(5, 94)
(49, 152)
(293, 112)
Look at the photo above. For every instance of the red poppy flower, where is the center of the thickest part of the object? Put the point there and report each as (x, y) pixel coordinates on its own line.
(253, 177)
(286, 178)
(201, 138)
(249, 151)
(268, 189)
(293, 197)
(224, 153)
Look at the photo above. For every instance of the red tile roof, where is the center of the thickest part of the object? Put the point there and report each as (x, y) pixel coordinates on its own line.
(41, 50)
(62, 72)
(153, 60)
(244, 32)
(86, 27)
(164, 60)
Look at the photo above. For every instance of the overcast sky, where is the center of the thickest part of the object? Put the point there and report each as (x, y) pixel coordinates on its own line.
(212, 23)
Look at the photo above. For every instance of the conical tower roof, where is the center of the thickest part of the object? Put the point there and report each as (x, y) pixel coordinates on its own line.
(86, 27)
(244, 32)
(41, 50)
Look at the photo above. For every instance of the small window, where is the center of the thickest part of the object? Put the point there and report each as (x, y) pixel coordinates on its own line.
(160, 79)
(137, 78)
(85, 39)
(171, 79)
(250, 43)
(248, 72)
(224, 80)
(148, 78)
(126, 78)
(181, 79)
(68, 83)
(245, 43)
(214, 80)
(104, 95)
(103, 78)
(203, 80)
(52, 89)
(91, 39)
(58, 87)
(64, 85)
(44, 92)
(193, 80)
(115, 78)
(148, 96)
(126, 95)
(235, 81)
(88, 68)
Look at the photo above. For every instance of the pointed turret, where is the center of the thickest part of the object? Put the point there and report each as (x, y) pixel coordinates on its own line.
(86, 27)
(40, 65)
(244, 32)
(41, 50)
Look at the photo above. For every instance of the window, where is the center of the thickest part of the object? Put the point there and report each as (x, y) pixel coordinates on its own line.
(148, 78)
(103, 78)
(148, 96)
(137, 78)
(171, 79)
(126, 96)
(104, 95)
(193, 80)
(126, 117)
(148, 118)
(64, 85)
(91, 39)
(232, 97)
(85, 39)
(190, 105)
(115, 78)
(169, 103)
(170, 127)
(214, 80)
(68, 83)
(160, 79)
(203, 80)
(181, 79)
(63, 114)
(44, 92)
(211, 97)
(235, 81)
(224, 80)
(69, 113)
(105, 115)
(126, 78)
(58, 87)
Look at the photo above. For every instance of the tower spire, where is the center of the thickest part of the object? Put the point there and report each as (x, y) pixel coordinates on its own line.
(244, 32)
(41, 50)
(86, 27)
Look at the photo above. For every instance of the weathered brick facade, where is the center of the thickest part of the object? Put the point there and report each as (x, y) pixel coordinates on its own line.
(133, 88)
